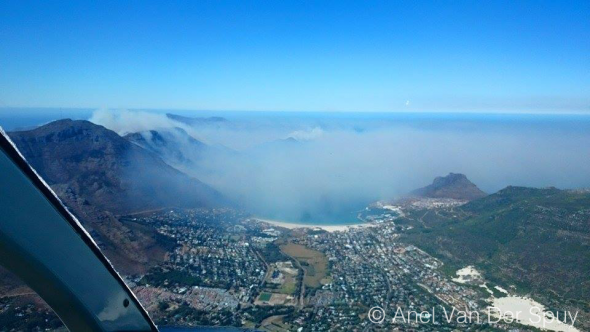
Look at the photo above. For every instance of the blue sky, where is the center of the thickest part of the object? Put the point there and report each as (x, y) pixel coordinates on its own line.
(483, 56)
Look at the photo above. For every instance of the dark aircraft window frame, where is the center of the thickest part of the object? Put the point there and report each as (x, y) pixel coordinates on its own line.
(82, 296)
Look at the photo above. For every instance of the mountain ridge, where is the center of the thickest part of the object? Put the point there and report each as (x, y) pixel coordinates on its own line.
(170, 145)
(107, 169)
(192, 121)
(453, 185)
(99, 175)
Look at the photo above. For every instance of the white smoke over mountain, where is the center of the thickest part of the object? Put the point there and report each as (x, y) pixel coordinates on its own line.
(124, 121)
(307, 135)
(339, 163)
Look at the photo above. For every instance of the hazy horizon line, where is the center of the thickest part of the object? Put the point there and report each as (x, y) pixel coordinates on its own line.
(286, 111)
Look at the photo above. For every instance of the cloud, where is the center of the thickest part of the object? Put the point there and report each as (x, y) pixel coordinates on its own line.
(125, 121)
(307, 135)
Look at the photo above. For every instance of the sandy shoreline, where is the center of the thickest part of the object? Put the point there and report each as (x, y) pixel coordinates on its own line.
(328, 228)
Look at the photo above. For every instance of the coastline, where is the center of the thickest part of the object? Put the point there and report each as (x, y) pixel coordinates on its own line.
(328, 228)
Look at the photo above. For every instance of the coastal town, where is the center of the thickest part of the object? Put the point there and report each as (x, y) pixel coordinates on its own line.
(227, 268)
(230, 269)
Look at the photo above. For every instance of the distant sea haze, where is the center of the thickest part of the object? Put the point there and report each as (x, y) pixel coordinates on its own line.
(12, 118)
(322, 167)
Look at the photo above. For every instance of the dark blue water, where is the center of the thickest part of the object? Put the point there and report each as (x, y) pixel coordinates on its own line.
(12, 118)
(347, 215)
(27, 118)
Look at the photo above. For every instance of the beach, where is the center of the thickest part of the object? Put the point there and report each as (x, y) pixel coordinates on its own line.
(328, 228)
(532, 313)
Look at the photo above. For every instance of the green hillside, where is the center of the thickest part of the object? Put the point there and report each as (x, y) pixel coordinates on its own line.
(536, 239)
